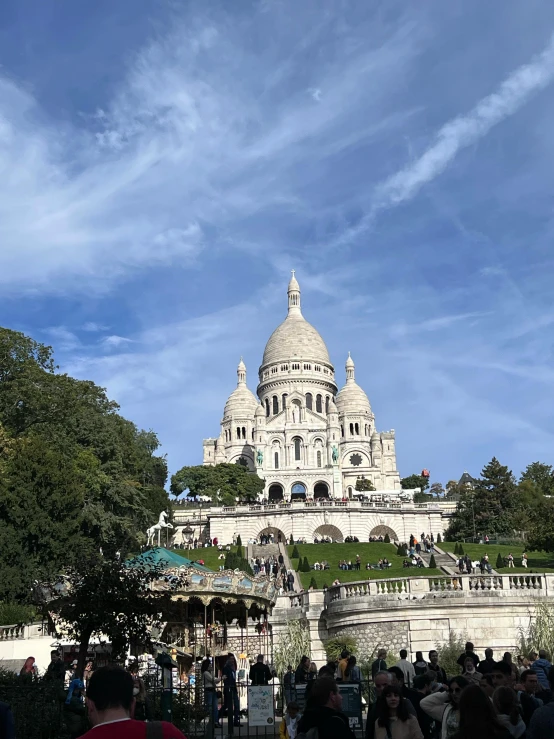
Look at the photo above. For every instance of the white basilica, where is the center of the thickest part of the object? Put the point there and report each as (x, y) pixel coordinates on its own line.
(302, 436)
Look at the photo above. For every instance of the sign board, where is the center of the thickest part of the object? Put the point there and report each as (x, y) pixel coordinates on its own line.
(299, 695)
(352, 703)
(260, 705)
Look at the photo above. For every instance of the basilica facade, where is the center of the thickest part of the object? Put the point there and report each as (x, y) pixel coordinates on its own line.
(305, 437)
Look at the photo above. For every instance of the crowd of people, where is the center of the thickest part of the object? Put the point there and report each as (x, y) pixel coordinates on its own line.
(489, 699)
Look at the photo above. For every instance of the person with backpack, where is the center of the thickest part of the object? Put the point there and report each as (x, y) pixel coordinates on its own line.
(110, 705)
(323, 718)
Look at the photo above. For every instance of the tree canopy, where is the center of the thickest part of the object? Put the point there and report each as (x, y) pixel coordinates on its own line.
(414, 481)
(223, 483)
(364, 485)
(75, 476)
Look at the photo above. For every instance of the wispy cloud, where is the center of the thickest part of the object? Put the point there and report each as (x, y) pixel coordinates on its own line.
(463, 131)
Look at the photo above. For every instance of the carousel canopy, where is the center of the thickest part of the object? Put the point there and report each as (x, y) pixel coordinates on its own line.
(167, 558)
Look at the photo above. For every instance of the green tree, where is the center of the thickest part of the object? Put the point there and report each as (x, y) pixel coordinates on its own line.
(541, 526)
(305, 565)
(239, 541)
(294, 643)
(364, 485)
(439, 539)
(422, 498)
(414, 481)
(295, 553)
(386, 539)
(437, 490)
(229, 481)
(313, 583)
(499, 561)
(541, 476)
(125, 608)
(432, 563)
(490, 507)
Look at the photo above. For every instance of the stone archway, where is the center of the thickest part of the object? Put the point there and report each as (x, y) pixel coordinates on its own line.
(275, 492)
(321, 490)
(278, 534)
(330, 531)
(383, 531)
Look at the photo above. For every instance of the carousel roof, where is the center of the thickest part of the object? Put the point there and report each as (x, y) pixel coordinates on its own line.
(165, 557)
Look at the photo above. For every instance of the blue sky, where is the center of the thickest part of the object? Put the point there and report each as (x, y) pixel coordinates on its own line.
(165, 164)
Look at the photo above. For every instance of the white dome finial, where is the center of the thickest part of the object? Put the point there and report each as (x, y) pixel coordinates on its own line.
(294, 296)
(241, 373)
(349, 368)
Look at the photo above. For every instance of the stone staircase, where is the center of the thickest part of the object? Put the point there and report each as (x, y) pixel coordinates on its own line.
(443, 560)
(265, 550)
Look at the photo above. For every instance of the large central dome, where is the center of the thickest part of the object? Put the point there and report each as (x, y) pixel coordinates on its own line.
(295, 338)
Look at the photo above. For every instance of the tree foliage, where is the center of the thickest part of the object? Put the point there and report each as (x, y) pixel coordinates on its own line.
(223, 483)
(294, 643)
(124, 608)
(490, 507)
(415, 481)
(364, 485)
(338, 644)
(437, 490)
(75, 476)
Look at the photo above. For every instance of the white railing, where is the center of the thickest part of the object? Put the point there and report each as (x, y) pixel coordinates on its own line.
(15, 631)
(421, 587)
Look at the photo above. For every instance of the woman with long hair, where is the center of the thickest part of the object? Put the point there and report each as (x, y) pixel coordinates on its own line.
(28, 670)
(478, 717)
(445, 707)
(352, 672)
(393, 718)
(504, 699)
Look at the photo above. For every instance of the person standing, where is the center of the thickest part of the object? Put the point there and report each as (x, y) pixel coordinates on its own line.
(406, 667)
(29, 669)
(394, 721)
(288, 684)
(486, 665)
(260, 674)
(110, 705)
(342, 664)
(352, 672)
(445, 707)
(470, 673)
(379, 665)
(542, 666)
(230, 690)
(468, 653)
(301, 674)
(56, 668)
(527, 698)
(323, 712)
(210, 691)
(420, 665)
(437, 669)
(542, 722)
(505, 701)
(478, 718)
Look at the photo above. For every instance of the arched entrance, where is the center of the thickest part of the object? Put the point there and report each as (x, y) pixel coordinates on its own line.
(329, 531)
(275, 535)
(378, 531)
(321, 490)
(298, 491)
(275, 492)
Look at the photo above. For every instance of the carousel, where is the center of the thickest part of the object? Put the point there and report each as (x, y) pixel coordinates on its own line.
(213, 613)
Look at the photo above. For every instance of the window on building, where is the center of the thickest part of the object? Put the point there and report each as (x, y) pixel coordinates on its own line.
(297, 449)
(319, 459)
(307, 366)
(284, 401)
(309, 401)
(244, 432)
(275, 405)
(356, 429)
(296, 366)
(319, 404)
(276, 460)
(327, 404)
(342, 430)
(252, 434)
(317, 368)
(266, 407)
(238, 432)
(351, 429)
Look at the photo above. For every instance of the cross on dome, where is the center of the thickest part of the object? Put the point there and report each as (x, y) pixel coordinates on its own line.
(294, 296)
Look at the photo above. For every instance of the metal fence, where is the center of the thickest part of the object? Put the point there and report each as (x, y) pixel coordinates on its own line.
(246, 711)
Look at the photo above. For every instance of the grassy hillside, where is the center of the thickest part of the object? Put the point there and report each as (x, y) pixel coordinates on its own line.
(537, 561)
(369, 552)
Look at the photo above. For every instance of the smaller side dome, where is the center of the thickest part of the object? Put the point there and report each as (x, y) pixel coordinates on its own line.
(351, 399)
(260, 413)
(242, 401)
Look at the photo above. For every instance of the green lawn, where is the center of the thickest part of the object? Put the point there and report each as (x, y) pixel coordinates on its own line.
(369, 552)
(208, 554)
(537, 561)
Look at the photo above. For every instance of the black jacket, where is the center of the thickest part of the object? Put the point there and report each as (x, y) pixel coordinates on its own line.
(260, 674)
(462, 658)
(330, 724)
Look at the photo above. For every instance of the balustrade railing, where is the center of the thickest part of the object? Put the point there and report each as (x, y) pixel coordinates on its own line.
(15, 631)
(423, 587)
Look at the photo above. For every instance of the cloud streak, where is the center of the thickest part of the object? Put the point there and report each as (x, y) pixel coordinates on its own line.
(463, 131)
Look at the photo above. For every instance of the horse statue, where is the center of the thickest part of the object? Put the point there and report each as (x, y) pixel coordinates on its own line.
(163, 523)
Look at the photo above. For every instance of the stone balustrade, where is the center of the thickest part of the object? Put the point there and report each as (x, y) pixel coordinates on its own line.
(14, 631)
(407, 588)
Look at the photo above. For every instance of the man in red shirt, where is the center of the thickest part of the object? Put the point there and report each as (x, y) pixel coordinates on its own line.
(111, 704)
